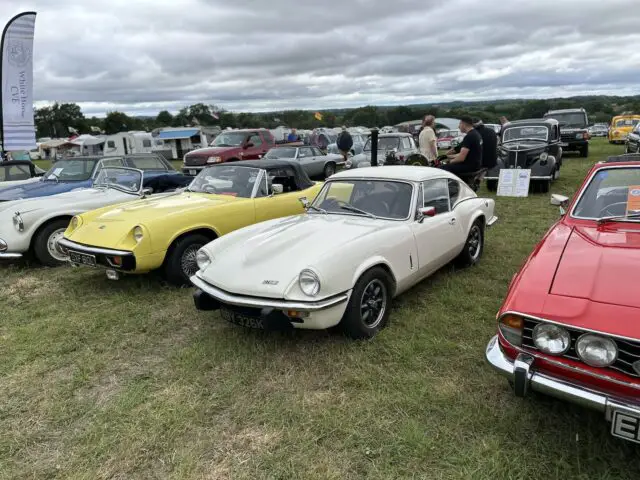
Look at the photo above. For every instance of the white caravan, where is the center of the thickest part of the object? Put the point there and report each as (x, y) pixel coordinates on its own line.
(125, 143)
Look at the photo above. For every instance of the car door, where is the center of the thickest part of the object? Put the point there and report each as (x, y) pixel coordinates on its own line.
(438, 237)
(269, 205)
(318, 161)
(256, 148)
(306, 160)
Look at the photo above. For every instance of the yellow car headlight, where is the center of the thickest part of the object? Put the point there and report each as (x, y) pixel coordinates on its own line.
(75, 222)
(138, 234)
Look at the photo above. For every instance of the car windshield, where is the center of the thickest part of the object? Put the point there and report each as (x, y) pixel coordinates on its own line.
(229, 139)
(237, 181)
(525, 132)
(611, 192)
(124, 179)
(281, 152)
(627, 122)
(71, 170)
(569, 119)
(384, 143)
(371, 198)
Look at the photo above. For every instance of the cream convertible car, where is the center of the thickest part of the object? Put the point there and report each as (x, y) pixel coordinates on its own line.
(370, 234)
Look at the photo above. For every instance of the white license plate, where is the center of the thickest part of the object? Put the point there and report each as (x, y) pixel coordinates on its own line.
(563, 144)
(625, 426)
(193, 172)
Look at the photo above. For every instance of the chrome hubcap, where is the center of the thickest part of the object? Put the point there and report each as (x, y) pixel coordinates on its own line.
(373, 303)
(54, 248)
(475, 242)
(188, 261)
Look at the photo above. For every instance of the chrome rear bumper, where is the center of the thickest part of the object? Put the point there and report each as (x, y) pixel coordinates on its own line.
(525, 378)
(9, 255)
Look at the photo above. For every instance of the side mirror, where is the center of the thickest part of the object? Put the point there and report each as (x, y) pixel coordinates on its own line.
(305, 202)
(248, 145)
(426, 212)
(277, 188)
(146, 192)
(560, 201)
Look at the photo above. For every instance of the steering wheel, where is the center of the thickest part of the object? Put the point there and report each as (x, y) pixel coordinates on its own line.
(208, 188)
(606, 211)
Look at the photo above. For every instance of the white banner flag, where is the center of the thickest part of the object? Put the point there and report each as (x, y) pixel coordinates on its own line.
(18, 127)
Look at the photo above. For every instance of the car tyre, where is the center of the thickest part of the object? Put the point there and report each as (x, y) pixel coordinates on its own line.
(45, 246)
(492, 185)
(369, 306)
(180, 263)
(329, 169)
(473, 247)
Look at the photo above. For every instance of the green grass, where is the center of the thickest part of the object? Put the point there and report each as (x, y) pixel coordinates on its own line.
(126, 379)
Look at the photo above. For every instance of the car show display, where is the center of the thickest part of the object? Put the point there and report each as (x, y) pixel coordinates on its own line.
(370, 234)
(166, 233)
(568, 326)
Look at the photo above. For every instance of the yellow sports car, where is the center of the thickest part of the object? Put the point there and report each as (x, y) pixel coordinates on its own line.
(621, 127)
(145, 235)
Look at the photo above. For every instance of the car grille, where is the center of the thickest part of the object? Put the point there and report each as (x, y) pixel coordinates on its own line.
(628, 351)
(524, 159)
(568, 137)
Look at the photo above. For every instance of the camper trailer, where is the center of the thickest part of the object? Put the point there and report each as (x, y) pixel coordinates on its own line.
(125, 143)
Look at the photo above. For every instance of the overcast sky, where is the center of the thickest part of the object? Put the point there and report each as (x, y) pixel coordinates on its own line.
(142, 56)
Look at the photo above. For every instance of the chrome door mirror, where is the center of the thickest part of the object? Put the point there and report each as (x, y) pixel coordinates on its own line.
(305, 202)
(426, 212)
(146, 192)
(560, 201)
(277, 188)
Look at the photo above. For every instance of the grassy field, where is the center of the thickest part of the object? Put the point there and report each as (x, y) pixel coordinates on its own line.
(102, 379)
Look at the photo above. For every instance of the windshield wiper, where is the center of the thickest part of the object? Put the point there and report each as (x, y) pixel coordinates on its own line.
(619, 218)
(351, 208)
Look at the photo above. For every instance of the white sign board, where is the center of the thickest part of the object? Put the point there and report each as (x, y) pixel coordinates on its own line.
(514, 182)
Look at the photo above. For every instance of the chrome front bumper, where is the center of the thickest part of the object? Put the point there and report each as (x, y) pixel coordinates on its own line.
(261, 302)
(525, 378)
(10, 255)
(78, 247)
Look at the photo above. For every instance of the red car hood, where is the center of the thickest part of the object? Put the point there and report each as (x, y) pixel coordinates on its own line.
(582, 277)
(211, 151)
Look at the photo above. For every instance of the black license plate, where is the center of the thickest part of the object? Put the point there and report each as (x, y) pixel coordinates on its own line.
(625, 426)
(242, 320)
(82, 258)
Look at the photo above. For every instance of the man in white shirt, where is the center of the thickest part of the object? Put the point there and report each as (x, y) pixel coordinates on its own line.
(427, 138)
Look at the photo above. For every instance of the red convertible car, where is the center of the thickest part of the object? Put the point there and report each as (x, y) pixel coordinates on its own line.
(570, 324)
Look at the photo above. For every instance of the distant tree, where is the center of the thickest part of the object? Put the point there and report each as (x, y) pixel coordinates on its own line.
(164, 119)
(54, 121)
(116, 122)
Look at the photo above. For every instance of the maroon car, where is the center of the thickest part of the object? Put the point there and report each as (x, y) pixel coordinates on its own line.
(230, 146)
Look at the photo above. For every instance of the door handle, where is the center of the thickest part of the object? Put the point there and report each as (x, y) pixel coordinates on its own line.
(452, 221)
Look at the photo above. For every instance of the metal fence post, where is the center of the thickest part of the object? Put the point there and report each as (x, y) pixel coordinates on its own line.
(374, 147)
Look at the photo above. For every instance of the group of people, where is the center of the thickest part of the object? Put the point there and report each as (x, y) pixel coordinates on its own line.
(478, 149)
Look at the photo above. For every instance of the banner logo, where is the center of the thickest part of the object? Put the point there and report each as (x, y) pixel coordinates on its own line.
(18, 54)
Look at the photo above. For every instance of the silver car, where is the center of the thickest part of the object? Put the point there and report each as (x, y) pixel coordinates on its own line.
(311, 159)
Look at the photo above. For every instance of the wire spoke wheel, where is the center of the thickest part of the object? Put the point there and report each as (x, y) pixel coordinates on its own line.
(188, 261)
(475, 242)
(373, 303)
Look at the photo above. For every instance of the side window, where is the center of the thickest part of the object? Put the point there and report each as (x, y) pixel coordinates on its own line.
(268, 138)
(406, 144)
(109, 162)
(255, 139)
(316, 152)
(147, 163)
(111, 144)
(436, 194)
(454, 191)
(146, 143)
(263, 188)
(304, 152)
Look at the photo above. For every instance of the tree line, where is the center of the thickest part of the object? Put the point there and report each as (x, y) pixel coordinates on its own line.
(63, 119)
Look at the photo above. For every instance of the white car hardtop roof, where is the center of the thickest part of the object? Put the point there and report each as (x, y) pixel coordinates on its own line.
(396, 172)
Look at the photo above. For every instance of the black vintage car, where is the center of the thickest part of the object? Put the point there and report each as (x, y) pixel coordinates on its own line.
(529, 144)
(574, 133)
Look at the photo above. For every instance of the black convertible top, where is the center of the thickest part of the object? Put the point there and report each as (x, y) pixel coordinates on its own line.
(301, 178)
(33, 168)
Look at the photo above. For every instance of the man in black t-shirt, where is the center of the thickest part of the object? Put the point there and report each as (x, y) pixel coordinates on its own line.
(469, 159)
(489, 145)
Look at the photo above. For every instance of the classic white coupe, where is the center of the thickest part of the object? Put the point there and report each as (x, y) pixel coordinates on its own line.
(370, 234)
(36, 224)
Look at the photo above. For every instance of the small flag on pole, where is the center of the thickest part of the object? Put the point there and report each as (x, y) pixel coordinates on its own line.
(318, 116)
(215, 115)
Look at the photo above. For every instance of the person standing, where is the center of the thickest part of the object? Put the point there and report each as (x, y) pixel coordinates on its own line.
(489, 144)
(469, 159)
(293, 136)
(344, 142)
(427, 139)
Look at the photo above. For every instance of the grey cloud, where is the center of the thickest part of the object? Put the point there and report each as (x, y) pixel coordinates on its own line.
(144, 55)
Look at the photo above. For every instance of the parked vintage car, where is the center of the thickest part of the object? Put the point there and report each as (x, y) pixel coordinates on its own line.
(358, 145)
(230, 146)
(19, 172)
(80, 172)
(633, 140)
(621, 126)
(370, 234)
(311, 159)
(531, 144)
(443, 141)
(570, 324)
(403, 146)
(166, 233)
(598, 130)
(37, 224)
(574, 136)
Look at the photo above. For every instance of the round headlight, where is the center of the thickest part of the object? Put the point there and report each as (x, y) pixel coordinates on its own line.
(138, 234)
(203, 259)
(309, 282)
(75, 222)
(551, 339)
(544, 156)
(596, 351)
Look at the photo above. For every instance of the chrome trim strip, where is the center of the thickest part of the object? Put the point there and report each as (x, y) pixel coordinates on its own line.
(492, 221)
(10, 255)
(564, 365)
(555, 387)
(87, 249)
(243, 301)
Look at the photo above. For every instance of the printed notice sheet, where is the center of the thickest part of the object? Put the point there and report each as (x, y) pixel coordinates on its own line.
(514, 182)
